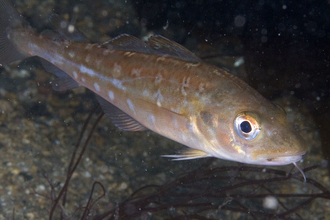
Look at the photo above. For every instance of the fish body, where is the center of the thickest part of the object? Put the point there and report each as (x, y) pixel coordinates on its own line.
(163, 87)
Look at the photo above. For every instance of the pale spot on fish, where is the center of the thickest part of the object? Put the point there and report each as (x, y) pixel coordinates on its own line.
(151, 120)
(176, 110)
(146, 93)
(158, 78)
(75, 75)
(188, 65)
(136, 72)
(83, 79)
(118, 83)
(130, 105)
(185, 84)
(98, 62)
(105, 52)
(84, 69)
(175, 122)
(88, 46)
(201, 87)
(116, 70)
(87, 58)
(159, 98)
(97, 87)
(111, 95)
(160, 59)
(72, 54)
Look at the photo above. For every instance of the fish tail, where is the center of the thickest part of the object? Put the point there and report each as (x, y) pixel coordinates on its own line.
(9, 19)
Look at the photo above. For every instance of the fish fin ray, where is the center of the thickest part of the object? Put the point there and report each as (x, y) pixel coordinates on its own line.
(51, 68)
(189, 154)
(119, 118)
(156, 45)
(127, 42)
(64, 84)
(171, 48)
(65, 29)
(53, 35)
(9, 19)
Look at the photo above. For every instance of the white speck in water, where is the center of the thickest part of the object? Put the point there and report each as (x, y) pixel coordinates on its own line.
(270, 202)
(71, 28)
(239, 61)
(239, 21)
(87, 174)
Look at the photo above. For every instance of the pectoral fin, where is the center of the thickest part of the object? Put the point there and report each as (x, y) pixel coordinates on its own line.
(189, 154)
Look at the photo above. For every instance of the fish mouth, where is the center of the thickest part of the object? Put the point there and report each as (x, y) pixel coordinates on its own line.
(281, 160)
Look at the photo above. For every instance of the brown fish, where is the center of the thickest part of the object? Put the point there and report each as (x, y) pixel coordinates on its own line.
(163, 87)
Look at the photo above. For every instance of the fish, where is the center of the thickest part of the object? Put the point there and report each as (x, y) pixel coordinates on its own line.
(161, 86)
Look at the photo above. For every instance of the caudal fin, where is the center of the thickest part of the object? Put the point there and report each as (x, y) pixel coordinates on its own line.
(9, 19)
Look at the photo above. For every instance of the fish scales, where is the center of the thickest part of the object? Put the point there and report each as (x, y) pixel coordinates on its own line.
(169, 91)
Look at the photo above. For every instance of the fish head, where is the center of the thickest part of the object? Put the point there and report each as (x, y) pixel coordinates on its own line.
(262, 136)
(267, 138)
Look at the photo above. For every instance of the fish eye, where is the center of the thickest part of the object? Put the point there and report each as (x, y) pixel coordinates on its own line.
(246, 126)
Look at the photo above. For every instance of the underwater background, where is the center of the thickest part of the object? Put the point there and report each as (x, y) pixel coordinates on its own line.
(281, 48)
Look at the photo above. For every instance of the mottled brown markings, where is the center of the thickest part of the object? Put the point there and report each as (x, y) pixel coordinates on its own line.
(136, 72)
(116, 70)
(208, 118)
(189, 65)
(201, 87)
(89, 46)
(106, 52)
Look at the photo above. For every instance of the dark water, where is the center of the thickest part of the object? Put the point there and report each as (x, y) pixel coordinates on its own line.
(285, 49)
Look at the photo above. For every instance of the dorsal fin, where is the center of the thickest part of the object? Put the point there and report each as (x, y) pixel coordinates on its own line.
(53, 35)
(119, 118)
(171, 48)
(156, 45)
(65, 29)
(127, 42)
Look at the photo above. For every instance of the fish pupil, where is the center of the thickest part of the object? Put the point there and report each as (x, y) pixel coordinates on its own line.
(246, 127)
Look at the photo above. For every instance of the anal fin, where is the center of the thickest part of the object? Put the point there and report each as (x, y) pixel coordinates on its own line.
(64, 84)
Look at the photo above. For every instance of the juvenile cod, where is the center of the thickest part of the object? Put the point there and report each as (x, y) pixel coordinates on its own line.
(163, 87)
